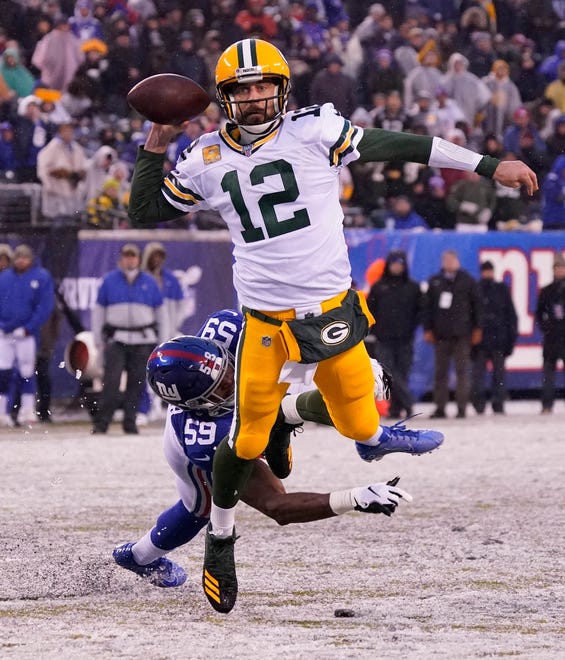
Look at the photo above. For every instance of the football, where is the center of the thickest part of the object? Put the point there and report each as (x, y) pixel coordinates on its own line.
(168, 98)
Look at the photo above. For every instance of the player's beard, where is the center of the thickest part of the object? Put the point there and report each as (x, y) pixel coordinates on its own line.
(257, 121)
(256, 113)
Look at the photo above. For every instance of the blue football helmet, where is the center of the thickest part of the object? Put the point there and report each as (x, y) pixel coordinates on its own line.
(194, 374)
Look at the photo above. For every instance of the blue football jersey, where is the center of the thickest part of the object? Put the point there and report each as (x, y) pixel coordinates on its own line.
(199, 435)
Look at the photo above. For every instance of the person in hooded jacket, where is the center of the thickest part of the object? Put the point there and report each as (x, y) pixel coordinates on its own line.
(500, 330)
(395, 301)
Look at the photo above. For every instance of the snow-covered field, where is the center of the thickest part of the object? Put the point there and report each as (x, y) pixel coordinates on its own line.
(474, 567)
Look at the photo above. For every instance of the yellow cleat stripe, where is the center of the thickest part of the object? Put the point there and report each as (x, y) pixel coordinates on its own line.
(211, 587)
(212, 595)
(211, 578)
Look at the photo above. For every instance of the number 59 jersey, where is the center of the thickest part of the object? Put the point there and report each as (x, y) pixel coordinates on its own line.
(280, 199)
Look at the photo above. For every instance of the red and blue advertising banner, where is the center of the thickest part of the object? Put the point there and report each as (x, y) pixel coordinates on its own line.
(523, 260)
(202, 262)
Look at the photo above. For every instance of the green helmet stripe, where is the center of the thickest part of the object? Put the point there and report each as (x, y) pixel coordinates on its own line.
(240, 63)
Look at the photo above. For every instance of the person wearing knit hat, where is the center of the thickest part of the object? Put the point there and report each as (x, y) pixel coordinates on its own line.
(105, 211)
(500, 331)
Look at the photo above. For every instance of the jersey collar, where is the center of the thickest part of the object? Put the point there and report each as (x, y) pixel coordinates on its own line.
(230, 133)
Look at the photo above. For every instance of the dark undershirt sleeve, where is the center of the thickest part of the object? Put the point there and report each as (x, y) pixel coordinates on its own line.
(147, 205)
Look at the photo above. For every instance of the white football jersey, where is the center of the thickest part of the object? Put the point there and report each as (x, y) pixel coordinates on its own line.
(280, 200)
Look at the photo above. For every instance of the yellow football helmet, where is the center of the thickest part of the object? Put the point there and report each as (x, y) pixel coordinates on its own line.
(251, 60)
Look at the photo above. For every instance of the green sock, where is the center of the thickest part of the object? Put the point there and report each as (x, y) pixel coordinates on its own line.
(230, 476)
(311, 407)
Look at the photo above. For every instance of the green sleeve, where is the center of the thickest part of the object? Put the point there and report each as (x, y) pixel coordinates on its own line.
(380, 145)
(147, 206)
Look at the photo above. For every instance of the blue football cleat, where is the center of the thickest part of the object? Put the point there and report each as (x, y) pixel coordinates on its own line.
(397, 438)
(162, 572)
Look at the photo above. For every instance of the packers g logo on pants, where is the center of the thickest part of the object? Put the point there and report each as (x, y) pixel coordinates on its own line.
(335, 333)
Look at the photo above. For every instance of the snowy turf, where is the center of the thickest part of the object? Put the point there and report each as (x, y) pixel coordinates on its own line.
(472, 568)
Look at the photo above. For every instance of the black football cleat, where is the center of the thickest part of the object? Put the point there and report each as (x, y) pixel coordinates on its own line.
(219, 579)
(278, 452)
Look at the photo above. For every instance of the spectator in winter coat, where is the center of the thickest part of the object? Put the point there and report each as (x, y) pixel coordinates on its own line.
(448, 113)
(83, 24)
(153, 262)
(472, 202)
(549, 68)
(403, 216)
(187, 62)
(452, 323)
(127, 323)
(98, 170)
(556, 89)
(553, 190)
(333, 86)
(556, 141)
(58, 55)
(31, 133)
(430, 204)
(504, 99)
(380, 74)
(426, 77)
(8, 163)
(255, 21)
(104, 211)
(513, 136)
(465, 88)
(122, 73)
(19, 79)
(61, 168)
(500, 330)
(395, 301)
(550, 317)
(529, 81)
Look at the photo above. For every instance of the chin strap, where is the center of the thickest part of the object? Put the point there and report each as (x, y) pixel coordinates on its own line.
(249, 134)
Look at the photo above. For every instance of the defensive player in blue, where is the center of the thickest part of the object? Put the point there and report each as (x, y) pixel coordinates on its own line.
(195, 375)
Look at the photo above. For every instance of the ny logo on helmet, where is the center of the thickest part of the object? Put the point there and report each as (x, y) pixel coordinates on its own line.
(170, 393)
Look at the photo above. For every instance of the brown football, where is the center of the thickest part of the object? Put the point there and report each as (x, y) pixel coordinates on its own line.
(168, 98)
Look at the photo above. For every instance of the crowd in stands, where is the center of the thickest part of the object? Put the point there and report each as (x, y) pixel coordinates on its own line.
(463, 70)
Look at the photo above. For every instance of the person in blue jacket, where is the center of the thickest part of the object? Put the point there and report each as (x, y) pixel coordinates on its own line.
(553, 189)
(27, 298)
(127, 322)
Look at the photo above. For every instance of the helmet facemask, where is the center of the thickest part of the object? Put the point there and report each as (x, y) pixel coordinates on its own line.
(219, 399)
(279, 98)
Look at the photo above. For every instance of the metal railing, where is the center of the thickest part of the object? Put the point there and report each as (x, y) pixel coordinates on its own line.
(20, 205)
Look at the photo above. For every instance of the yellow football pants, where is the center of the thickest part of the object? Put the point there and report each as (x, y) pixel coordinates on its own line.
(345, 381)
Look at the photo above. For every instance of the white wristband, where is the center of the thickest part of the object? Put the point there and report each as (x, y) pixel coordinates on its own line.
(341, 501)
(447, 154)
